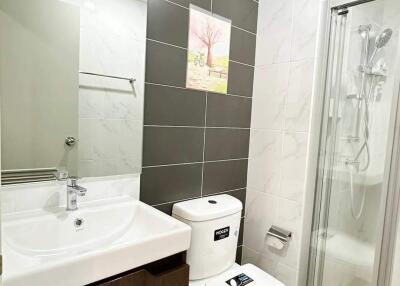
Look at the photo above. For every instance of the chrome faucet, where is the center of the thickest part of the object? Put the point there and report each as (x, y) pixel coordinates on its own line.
(73, 191)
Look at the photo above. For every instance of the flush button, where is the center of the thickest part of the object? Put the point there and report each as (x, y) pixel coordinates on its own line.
(212, 202)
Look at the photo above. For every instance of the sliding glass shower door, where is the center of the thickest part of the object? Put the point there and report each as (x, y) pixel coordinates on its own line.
(361, 93)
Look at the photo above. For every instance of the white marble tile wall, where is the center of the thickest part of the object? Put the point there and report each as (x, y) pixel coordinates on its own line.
(113, 41)
(283, 84)
(396, 266)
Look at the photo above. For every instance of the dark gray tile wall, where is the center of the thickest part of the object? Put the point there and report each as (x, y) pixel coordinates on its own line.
(222, 176)
(179, 107)
(226, 143)
(162, 17)
(195, 143)
(160, 185)
(205, 4)
(228, 111)
(242, 47)
(239, 255)
(172, 145)
(240, 80)
(165, 64)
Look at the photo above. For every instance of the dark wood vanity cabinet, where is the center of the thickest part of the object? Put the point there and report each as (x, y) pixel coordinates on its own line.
(170, 271)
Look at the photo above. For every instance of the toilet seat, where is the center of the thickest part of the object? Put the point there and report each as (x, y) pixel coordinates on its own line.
(249, 274)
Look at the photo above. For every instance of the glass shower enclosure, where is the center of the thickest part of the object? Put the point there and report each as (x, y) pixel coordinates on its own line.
(352, 223)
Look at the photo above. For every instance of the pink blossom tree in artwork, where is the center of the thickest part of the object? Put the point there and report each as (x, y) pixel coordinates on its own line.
(209, 35)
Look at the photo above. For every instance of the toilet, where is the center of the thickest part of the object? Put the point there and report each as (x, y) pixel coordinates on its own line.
(215, 223)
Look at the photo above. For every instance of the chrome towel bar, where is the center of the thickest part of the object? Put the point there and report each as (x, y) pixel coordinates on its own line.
(9, 177)
(131, 80)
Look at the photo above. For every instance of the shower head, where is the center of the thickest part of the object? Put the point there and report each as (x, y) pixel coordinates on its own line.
(383, 38)
(380, 41)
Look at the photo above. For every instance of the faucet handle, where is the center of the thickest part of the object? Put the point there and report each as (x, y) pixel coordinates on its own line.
(72, 181)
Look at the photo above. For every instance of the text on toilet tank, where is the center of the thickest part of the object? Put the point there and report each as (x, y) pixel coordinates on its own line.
(221, 233)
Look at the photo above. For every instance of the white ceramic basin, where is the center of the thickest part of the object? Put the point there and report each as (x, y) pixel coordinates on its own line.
(117, 235)
(56, 234)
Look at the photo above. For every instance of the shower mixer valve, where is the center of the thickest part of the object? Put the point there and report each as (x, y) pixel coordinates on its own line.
(380, 71)
(352, 162)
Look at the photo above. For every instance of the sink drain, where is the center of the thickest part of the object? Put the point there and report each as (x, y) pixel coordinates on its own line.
(78, 223)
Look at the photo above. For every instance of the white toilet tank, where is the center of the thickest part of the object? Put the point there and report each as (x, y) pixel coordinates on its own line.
(215, 223)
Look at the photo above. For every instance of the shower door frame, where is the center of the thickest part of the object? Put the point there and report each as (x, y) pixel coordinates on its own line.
(389, 206)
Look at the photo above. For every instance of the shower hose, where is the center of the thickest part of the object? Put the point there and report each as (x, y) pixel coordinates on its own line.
(364, 148)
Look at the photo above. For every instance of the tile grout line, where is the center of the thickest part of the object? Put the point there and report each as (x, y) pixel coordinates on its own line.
(176, 4)
(177, 201)
(263, 255)
(306, 132)
(287, 84)
(292, 29)
(283, 62)
(195, 127)
(197, 197)
(244, 30)
(202, 91)
(195, 163)
(186, 49)
(248, 247)
(204, 145)
(240, 63)
(167, 44)
(172, 165)
(228, 191)
(166, 85)
(212, 12)
(251, 189)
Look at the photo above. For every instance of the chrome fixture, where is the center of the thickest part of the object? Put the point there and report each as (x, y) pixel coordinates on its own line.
(366, 94)
(370, 77)
(70, 141)
(73, 191)
(280, 233)
(20, 176)
(130, 79)
(380, 41)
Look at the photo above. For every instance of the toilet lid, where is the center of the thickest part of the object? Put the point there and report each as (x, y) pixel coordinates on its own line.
(246, 275)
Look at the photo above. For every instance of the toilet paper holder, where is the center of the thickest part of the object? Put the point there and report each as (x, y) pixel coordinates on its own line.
(279, 233)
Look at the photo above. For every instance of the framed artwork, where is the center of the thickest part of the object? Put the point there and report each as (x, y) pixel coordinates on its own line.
(208, 51)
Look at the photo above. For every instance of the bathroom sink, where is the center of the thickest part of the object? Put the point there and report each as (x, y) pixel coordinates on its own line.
(64, 233)
(97, 241)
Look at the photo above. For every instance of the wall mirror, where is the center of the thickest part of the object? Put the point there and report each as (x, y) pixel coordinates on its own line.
(71, 86)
